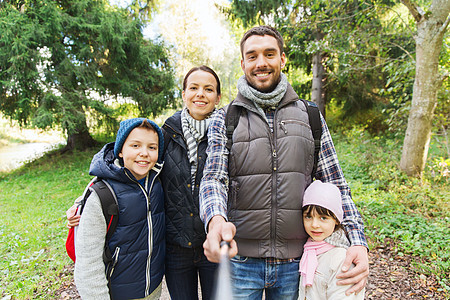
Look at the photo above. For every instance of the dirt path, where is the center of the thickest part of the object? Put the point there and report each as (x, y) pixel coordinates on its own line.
(391, 278)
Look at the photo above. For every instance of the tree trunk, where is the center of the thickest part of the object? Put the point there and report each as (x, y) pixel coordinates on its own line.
(80, 140)
(317, 90)
(429, 39)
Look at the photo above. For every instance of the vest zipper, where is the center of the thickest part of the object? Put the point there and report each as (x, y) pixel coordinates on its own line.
(274, 206)
(283, 127)
(150, 228)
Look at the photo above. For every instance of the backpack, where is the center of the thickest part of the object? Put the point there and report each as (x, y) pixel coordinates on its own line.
(110, 209)
(234, 112)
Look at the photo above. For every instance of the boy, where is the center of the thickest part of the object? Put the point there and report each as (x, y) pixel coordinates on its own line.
(131, 167)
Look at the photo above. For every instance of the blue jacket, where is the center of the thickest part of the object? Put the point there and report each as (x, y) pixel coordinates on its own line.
(138, 243)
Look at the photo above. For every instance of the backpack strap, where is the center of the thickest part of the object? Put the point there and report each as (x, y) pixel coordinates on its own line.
(110, 210)
(233, 113)
(316, 128)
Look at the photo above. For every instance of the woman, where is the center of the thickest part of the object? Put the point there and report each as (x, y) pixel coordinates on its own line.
(186, 141)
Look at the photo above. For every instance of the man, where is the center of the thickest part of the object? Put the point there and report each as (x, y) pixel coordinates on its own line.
(252, 196)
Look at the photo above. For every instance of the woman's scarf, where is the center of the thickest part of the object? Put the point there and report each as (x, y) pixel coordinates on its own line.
(309, 262)
(263, 100)
(193, 131)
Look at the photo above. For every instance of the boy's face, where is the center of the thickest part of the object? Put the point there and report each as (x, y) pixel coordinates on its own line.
(140, 151)
(318, 227)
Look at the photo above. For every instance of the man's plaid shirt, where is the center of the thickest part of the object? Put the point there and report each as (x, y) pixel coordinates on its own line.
(214, 185)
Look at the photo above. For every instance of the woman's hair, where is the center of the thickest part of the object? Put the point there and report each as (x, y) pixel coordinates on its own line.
(205, 69)
(311, 209)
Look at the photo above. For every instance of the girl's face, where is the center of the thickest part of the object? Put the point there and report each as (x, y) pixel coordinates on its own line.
(200, 95)
(318, 227)
(140, 151)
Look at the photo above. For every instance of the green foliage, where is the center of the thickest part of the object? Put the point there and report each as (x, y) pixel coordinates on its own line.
(367, 50)
(62, 59)
(412, 214)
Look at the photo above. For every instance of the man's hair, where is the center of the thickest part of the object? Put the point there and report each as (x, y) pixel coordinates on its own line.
(205, 69)
(263, 30)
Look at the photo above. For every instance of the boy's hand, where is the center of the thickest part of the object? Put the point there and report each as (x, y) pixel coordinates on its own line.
(357, 276)
(219, 230)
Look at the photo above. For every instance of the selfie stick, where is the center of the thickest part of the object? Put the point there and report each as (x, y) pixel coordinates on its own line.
(223, 281)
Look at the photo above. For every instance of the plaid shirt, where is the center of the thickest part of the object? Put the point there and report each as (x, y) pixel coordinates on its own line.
(214, 185)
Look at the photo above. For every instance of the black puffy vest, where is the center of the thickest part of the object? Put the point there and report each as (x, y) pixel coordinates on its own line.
(183, 225)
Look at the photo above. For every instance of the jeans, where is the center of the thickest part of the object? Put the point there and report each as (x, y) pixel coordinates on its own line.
(183, 268)
(279, 279)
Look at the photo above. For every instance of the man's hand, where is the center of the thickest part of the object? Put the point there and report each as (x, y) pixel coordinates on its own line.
(357, 276)
(219, 230)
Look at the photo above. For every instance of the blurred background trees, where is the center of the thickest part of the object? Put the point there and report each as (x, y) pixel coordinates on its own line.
(61, 61)
(85, 64)
(378, 61)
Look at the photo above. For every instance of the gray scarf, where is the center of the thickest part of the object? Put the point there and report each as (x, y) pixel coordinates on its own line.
(193, 131)
(263, 100)
(338, 239)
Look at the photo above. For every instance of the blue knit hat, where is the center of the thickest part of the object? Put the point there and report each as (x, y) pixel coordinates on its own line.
(125, 128)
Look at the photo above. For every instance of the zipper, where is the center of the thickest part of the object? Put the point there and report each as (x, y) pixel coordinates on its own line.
(283, 127)
(149, 225)
(274, 207)
(285, 122)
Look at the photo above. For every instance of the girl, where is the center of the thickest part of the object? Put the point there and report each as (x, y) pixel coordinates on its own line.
(325, 250)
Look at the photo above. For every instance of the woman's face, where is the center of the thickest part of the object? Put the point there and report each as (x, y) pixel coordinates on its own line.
(200, 95)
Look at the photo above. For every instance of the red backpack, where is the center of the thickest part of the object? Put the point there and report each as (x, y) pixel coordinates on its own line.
(110, 209)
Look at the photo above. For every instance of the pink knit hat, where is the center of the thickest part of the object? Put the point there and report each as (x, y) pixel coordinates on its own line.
(326, 195)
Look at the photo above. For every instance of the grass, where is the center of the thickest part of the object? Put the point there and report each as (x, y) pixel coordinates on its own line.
(33, 201)
(412, 213)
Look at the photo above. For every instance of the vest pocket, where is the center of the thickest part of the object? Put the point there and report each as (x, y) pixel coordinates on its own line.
(285, 125)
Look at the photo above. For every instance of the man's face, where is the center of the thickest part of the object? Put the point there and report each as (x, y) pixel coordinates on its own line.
(262, 62)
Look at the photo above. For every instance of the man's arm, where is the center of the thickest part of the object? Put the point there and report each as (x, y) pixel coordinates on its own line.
(329, 170)
(214, 191)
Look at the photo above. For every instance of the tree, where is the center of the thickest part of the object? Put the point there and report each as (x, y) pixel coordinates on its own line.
(60, 61)
(431, 27)
(199, 35)
(337, 42)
